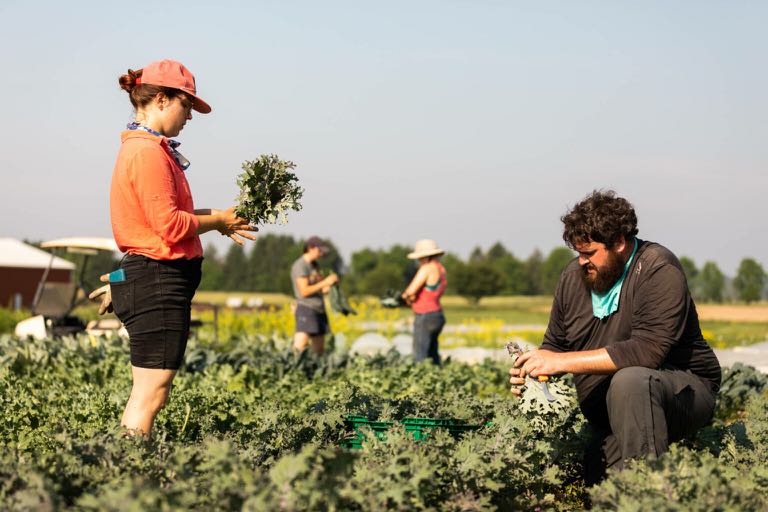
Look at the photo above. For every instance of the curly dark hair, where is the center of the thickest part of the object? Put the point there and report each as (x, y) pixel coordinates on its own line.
(601, 217)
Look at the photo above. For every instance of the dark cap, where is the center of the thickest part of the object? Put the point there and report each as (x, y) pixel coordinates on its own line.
(316, 241)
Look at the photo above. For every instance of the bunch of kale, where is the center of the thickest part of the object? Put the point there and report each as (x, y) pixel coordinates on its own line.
(268, 190)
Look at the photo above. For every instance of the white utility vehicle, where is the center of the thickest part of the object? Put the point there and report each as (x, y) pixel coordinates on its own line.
(54, 302)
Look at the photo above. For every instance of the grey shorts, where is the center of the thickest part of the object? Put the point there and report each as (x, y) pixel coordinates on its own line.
(310, 321)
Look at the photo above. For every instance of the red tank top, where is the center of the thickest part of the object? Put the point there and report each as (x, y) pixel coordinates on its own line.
(428, 298)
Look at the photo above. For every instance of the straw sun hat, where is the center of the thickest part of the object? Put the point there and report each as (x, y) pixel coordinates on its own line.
(425, 248)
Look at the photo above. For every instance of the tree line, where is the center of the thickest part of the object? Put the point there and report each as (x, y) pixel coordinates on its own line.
(496, 271)
(709, 284)
(265, 267)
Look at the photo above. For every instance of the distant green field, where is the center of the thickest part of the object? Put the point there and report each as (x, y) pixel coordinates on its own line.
(277, 299)
(529, 313)
(510, 310)
(730, 334)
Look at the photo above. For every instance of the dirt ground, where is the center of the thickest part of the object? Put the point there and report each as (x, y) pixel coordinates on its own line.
(755, 313)
(732, 313)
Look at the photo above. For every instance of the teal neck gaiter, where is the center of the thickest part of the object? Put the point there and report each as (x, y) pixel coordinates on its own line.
(608, 303)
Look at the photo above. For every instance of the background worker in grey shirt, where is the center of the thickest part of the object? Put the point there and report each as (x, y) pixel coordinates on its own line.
(624, 323)
(308, 288)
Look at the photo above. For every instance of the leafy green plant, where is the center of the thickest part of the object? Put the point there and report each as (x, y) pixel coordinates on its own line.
(728, 474)
(268, 190)
(9, 319)
(542, 399)
(739, 383)
(251, 426)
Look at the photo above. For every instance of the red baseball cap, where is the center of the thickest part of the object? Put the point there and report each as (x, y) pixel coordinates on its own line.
(170, 73)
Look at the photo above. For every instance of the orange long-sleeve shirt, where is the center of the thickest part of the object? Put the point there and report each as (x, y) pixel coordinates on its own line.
(150, 201)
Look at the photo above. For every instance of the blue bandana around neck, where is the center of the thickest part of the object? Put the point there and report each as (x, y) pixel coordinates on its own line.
(607, 303)
(172, 144)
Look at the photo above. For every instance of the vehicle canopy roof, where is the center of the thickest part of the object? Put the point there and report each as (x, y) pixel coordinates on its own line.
(83, 244)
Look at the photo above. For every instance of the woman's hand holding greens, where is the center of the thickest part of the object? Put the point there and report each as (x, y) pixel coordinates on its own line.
(234, 227)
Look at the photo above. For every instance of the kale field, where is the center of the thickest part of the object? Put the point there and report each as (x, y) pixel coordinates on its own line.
(252, 427)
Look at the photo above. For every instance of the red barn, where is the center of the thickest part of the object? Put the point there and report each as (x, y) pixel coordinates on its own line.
(22, 266)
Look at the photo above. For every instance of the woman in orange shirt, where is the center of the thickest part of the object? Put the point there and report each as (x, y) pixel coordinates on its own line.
(155, 223)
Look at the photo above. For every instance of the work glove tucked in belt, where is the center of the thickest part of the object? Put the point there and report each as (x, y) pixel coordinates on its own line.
(106, 296)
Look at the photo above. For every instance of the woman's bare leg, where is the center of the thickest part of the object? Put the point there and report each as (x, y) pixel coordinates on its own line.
(300, 341)
(149, 394)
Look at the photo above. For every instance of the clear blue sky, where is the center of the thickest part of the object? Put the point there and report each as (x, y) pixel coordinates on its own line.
(463, 121)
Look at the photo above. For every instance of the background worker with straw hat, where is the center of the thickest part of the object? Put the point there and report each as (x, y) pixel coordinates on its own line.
(423, 295)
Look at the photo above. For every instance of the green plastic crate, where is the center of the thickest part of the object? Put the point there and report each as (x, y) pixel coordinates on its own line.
(357, 424)
(419, 428)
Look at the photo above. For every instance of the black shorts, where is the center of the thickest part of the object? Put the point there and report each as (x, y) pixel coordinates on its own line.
(310, 321)
(155, 304)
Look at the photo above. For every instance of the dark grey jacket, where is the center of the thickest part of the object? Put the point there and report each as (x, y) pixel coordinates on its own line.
(655, 326)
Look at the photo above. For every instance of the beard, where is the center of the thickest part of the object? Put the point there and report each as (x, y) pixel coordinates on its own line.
(603, 278)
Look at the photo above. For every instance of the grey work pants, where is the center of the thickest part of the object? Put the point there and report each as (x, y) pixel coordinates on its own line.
(647, 410)
(426, 330)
